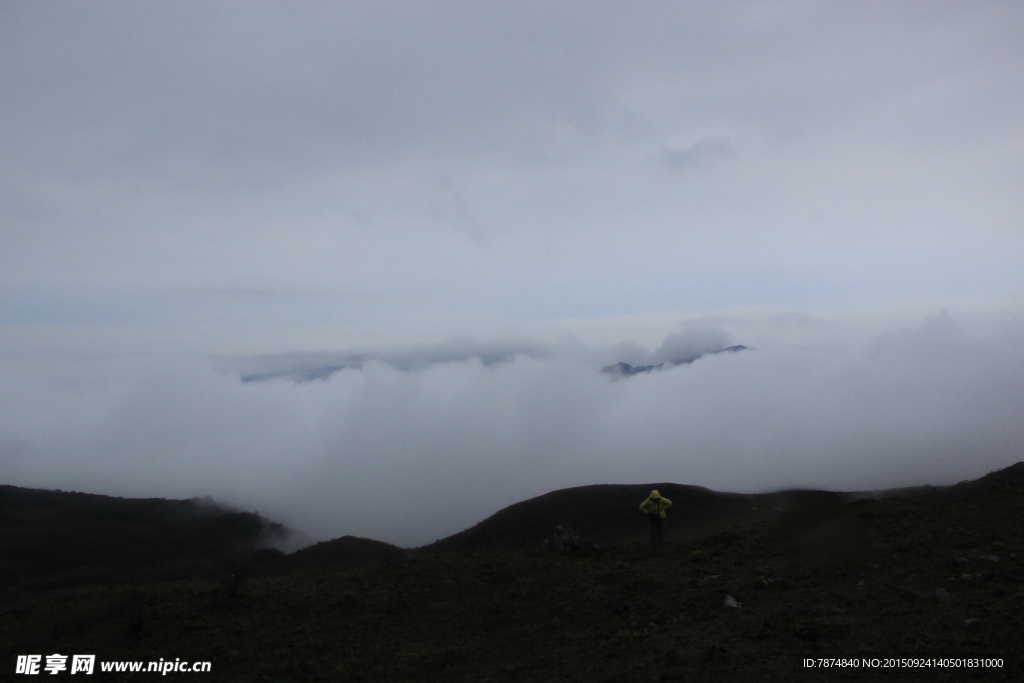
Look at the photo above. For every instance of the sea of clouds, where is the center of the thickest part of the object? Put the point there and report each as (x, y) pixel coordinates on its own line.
(410, 444)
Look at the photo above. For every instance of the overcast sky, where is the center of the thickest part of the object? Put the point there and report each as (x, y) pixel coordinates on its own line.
(475, 205)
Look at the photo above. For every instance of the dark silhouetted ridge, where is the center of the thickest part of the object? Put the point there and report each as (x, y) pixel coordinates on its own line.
(622, 369)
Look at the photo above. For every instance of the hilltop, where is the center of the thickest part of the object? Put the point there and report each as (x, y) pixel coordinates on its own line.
(609, 514)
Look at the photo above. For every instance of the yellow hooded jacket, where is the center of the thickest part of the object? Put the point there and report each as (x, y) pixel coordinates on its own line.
(655, 504)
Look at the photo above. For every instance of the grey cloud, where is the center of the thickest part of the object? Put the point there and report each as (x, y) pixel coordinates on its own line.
(202, 93)
(195, 144)
(451, 207)
(689, 344)
(703, 155)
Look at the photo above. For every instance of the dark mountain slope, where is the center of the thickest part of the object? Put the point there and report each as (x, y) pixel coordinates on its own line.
(933, 572)
(56, 539)
(609, 513)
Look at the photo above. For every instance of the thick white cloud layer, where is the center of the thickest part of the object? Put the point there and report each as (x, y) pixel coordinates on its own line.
(411, 455)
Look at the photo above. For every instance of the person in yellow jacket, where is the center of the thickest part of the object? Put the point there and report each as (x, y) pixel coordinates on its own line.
(654, 507)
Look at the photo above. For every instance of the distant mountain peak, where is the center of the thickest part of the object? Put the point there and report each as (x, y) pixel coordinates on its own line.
(623, 369)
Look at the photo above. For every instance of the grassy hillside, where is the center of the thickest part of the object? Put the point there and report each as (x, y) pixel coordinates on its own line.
(826, 576)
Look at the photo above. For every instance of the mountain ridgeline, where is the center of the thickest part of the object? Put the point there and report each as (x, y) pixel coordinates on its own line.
(56, 540)
(623, 369)
(59, 540)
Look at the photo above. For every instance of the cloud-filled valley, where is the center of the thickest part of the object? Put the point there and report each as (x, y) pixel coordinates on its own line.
(408, 452)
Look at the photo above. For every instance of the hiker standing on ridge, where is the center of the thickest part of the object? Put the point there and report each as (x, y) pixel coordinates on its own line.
(654, 507)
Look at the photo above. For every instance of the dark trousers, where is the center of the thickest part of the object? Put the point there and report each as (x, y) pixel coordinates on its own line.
(657, 528)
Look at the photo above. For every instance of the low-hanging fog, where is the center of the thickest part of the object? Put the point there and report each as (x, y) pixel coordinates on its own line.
(359, 265)
(408, 453)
